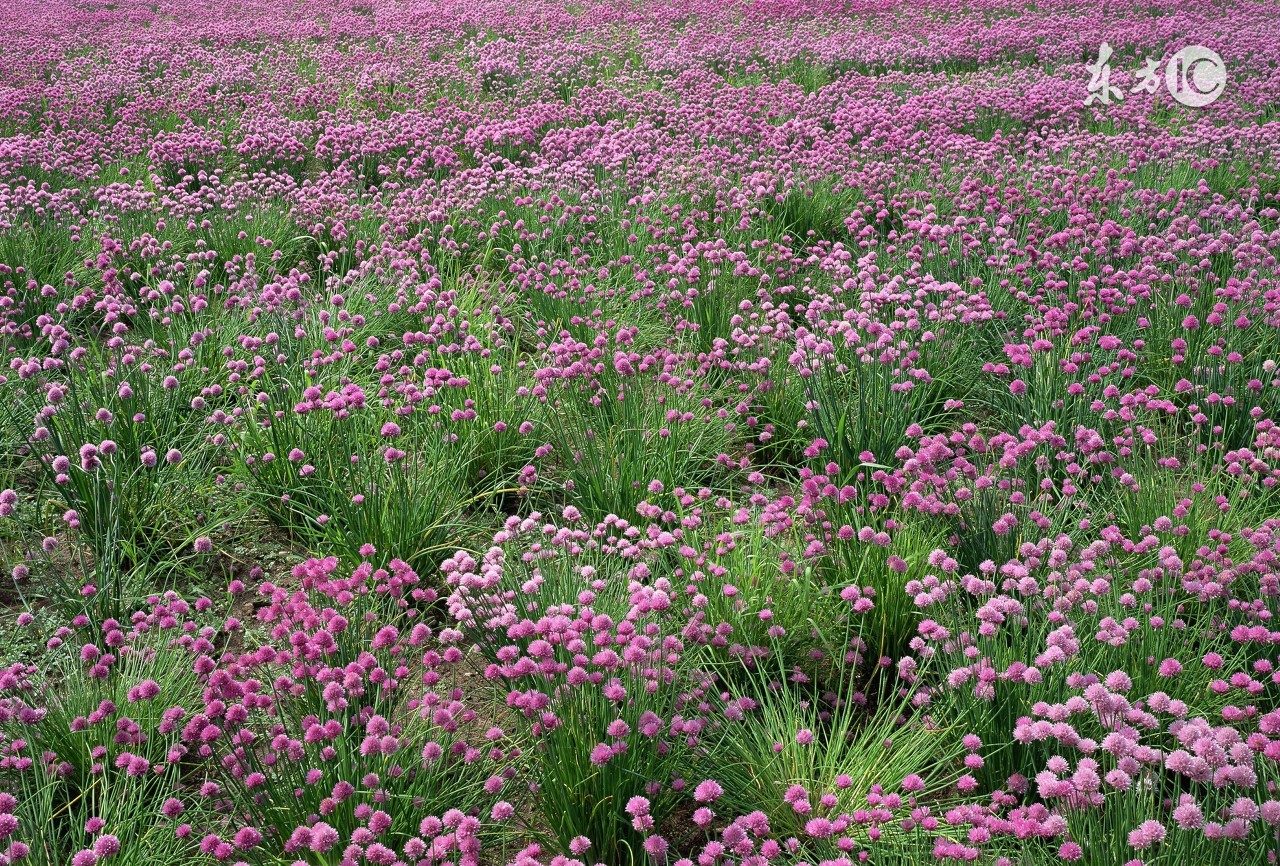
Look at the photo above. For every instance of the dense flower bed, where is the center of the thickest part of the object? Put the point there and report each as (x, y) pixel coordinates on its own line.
(558, 434)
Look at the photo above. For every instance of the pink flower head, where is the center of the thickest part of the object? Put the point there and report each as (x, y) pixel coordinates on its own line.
(707, 792)
(1148, 833)
(106, 845)
(655, 847)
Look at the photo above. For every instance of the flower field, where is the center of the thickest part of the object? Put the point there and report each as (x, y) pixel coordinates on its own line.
(639, 433)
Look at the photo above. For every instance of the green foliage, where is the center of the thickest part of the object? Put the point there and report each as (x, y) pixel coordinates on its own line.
(96, 749)
(612, 443)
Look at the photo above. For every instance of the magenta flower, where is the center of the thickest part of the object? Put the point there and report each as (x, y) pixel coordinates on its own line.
(707, 791)
(1148, 833)
(655, 847)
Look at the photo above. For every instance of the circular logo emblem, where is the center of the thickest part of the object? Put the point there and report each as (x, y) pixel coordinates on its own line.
(1196, 76)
